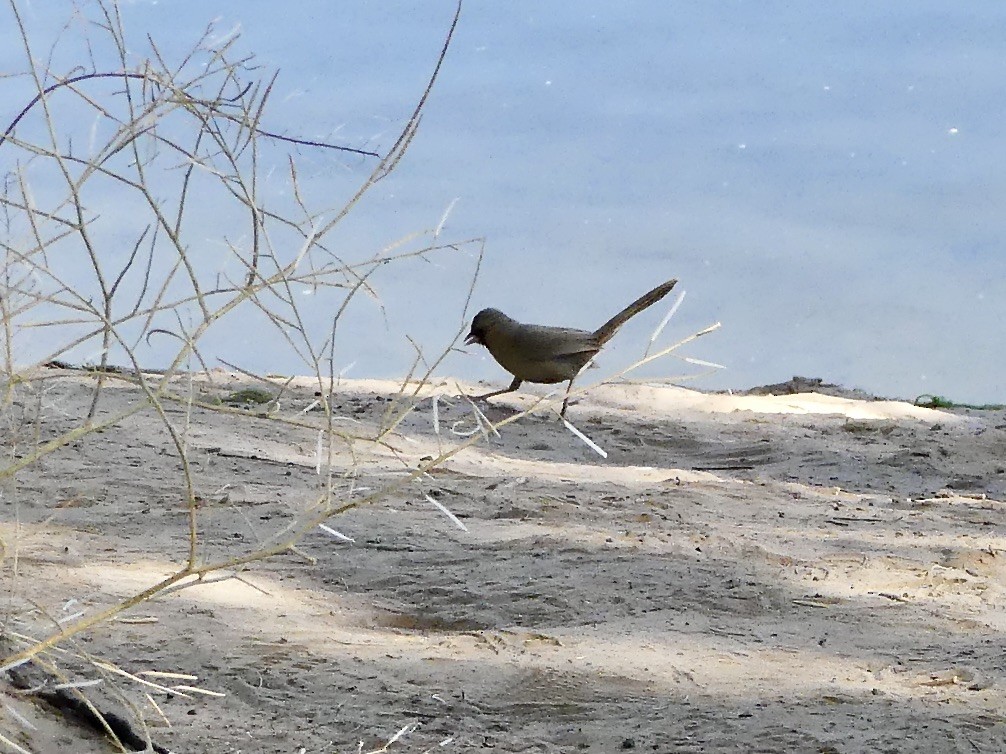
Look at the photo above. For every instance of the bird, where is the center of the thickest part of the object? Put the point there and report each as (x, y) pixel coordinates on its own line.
(544, 354)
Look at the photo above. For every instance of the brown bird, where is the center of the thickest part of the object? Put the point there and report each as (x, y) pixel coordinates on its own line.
(539, 353)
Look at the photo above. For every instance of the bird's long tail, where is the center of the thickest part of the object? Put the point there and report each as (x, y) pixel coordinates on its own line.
(605, 332)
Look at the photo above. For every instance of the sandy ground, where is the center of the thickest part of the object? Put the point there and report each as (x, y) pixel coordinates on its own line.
(798, 573)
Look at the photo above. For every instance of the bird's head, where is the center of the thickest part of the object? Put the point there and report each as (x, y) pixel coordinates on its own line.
(481, 324)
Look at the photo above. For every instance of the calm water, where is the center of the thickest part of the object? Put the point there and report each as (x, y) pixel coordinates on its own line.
(826, 180)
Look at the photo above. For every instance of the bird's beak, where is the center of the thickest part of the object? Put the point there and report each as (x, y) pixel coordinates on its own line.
(472, 339)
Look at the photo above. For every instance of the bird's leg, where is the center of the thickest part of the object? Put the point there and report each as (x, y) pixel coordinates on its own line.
(565, 401)
(513, 386)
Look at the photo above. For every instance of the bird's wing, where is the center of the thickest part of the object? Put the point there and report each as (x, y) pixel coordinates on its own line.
(557, 341)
